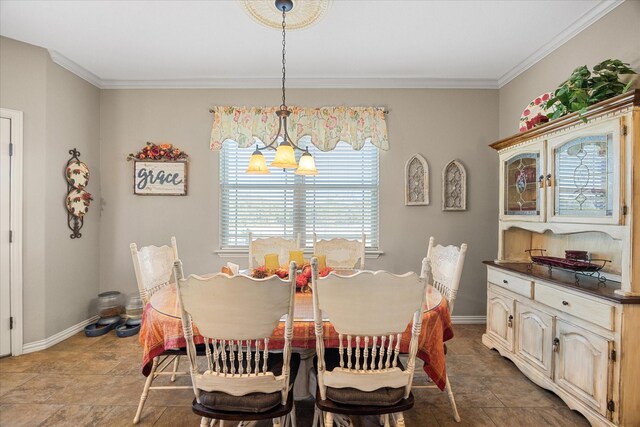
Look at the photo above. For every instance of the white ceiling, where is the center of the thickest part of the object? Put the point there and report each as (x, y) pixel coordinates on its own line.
(370, 43)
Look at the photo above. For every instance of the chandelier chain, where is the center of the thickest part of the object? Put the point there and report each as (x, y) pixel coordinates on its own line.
(284, 70)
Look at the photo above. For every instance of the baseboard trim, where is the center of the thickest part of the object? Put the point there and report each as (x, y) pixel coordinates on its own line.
(468, 320)
(60, 336)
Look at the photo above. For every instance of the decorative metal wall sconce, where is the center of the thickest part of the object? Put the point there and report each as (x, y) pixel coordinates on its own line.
(416, 181)
(454, 187)
(78, 199)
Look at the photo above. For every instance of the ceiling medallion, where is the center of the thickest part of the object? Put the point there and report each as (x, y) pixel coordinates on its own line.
(303, 15)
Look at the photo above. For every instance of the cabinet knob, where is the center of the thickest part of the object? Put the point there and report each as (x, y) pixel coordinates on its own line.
(510, 321)
(549, 182)
(505, 281)
(565, 302)
(541, 181)
(556, 344)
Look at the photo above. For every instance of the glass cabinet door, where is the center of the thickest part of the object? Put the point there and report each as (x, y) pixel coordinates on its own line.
(585, 179)
(522, 179)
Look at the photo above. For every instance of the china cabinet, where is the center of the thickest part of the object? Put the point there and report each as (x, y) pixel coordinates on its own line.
(571, 185)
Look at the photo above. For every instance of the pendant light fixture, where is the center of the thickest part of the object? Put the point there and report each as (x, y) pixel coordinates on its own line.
(285, 154)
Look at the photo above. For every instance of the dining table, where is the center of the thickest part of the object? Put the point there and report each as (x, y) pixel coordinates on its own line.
(162, 330)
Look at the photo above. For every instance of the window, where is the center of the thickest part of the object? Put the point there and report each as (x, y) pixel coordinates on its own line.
(341, 201)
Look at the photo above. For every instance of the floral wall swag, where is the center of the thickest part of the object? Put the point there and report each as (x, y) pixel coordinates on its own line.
(153, 151)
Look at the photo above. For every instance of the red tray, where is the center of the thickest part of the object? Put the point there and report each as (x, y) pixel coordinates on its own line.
(569, 264)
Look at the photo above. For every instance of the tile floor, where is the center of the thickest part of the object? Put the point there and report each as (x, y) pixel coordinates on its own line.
(97, 382)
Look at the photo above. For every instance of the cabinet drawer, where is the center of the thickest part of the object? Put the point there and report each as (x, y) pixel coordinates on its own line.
(592, 311)
(515, 284)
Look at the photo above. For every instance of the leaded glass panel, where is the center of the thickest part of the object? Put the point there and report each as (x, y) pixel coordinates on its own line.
(521, 185)
(584, 177)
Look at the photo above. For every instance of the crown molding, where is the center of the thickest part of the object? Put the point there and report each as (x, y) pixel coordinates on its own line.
(574, 29)
(275, 82)
(75, 68)
(583, 22)
(314, 82)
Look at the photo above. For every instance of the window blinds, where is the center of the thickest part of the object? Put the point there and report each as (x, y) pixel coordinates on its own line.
(341, 201)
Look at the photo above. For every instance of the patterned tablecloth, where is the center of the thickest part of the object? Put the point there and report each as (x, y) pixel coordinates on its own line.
(160, 332)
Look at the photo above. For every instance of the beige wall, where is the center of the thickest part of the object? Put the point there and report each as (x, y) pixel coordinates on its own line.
(615, 36)
(71, 269)
(23, 85)
(439, 124)
(61, 111)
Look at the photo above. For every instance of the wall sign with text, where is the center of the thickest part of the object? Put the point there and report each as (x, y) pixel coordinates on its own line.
(160, 178)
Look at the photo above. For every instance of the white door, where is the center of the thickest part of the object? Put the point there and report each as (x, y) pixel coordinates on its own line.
(5, 285)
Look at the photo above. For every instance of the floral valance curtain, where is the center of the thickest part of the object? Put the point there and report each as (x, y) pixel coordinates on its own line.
(325, 125)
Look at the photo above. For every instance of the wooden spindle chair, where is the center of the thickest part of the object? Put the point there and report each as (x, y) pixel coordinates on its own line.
(153, 267)
(236, 315)
(442, 268)
(369, 311)
(341, 253)
(278, 245)
(446, 269)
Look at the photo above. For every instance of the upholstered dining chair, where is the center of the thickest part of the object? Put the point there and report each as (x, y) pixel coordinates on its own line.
(278, 245)
(236, 315)
(341, 253)
(153, 268)
(369, 311)
(442, 268)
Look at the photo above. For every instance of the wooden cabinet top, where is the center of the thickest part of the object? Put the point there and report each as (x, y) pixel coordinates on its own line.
(628, 99)
(587, 285)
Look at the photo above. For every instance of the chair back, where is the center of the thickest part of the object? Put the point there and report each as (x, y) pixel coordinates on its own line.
(369, 311)
(153, 266)
(277, 245)
(446, 264)
(341, 253)
(236, 315)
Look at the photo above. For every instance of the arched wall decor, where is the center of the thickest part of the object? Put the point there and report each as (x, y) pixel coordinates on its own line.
(416, 181)
(454, 187)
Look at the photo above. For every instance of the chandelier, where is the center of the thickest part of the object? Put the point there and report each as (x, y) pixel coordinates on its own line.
(285, 154)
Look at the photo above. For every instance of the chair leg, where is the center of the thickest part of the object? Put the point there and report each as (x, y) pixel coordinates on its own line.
(145, 390)
(328, 419)
(205, 422)
(398, 419)
(385, 421)
(318, 418)
(452, 400)
(277, 422)
(176, 361)
(292, 416)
